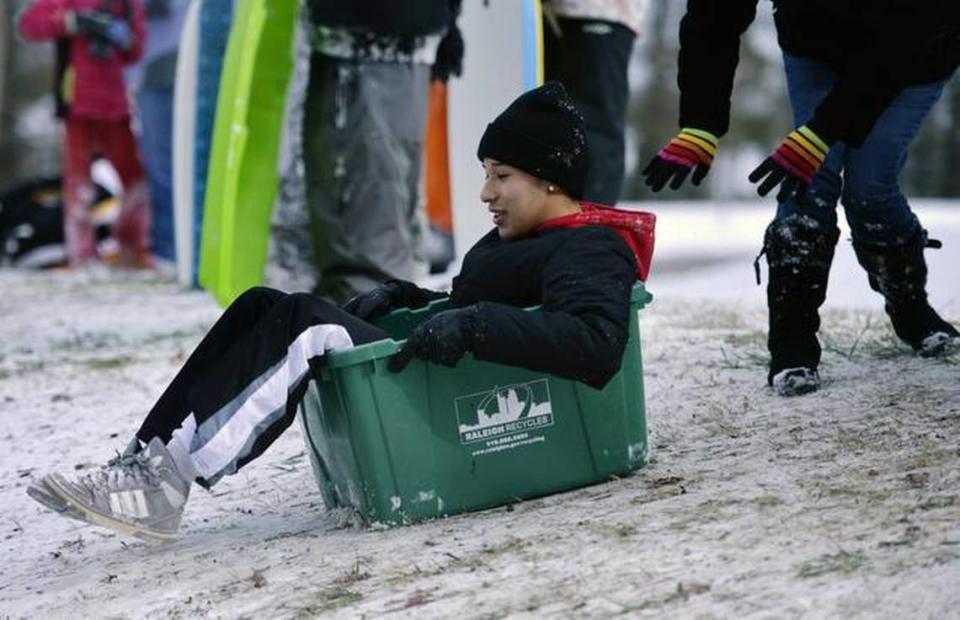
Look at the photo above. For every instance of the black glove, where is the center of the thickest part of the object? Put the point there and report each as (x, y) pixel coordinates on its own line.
(442, 339)
(388, 296)
(104, 30)
(449, 58)
(374, 304)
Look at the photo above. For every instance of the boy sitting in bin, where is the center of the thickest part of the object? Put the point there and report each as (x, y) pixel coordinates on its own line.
(242, 385)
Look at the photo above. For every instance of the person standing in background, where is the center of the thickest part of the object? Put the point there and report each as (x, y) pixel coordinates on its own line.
(858, 101)
(95, 39)
(587, 46)
(363, 134)
(151, 82)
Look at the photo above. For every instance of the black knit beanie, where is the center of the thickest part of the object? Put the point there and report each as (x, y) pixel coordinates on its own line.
(541, 133)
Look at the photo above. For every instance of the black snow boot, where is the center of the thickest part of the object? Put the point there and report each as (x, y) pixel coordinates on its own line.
(799, 251)
(899, 273)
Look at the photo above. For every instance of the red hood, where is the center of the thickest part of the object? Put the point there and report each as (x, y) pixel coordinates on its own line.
(635, 227)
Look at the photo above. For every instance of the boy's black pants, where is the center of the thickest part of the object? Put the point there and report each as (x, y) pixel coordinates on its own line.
(241, 386)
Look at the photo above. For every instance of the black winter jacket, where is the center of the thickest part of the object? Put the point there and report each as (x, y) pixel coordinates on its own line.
(389, 18)
(581, 276)
(876, 47)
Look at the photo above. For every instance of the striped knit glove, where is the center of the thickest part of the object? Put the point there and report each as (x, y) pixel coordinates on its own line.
(792, 165)
(692, 149)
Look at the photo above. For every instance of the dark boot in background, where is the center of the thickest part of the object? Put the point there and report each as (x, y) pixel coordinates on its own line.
(898, 271)
(799, 251)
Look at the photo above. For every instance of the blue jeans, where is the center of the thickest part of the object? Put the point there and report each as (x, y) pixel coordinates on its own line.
(865, 179)
(155, 107)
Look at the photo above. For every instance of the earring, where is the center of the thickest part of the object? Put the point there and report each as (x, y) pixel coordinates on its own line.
(551, 189)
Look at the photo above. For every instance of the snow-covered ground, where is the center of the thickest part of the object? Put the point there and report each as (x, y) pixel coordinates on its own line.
(706, 250)
(841, 503)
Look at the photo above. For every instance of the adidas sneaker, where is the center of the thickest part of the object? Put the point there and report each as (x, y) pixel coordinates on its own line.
(140, 494)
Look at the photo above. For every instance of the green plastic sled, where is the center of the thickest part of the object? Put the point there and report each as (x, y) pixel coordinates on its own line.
(243, 177)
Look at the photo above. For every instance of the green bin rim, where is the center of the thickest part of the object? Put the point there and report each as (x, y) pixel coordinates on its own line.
(639, 297)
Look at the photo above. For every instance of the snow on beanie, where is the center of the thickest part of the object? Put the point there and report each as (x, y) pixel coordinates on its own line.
(541, 133)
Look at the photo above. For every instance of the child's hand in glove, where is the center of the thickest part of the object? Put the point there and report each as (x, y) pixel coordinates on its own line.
(691, 149)
(442, 339)
(792, 165)
(390, 295)
(374, 304)
(105, 27)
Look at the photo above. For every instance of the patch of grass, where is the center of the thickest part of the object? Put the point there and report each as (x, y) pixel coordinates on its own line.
(96, 341)
(754, 339)
(854, 493)
(23, 368)
(856, 335)
(878, 344)
(937, 501)
(851, 439)
(681, 593)
(857, 492)
(108, 363)
(951, 358)
(911, 534)
(714, 317)
(511, 543)
(328, 599)
(616, 531)
(931, 456)
(709, 511)
(843, 562)
(886, 349)
(180, 334)
(86, 341)
(352, 576)
(658, 493)
(722, 419)
(734, 360)
(468, 562)
(856, 342)
(766, 501)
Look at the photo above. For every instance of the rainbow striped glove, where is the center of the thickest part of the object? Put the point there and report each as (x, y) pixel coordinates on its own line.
(692, 149)
(792, 165)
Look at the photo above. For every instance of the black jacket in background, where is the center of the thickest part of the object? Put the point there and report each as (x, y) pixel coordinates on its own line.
(581, 276)
(388, 18)
(877, 47)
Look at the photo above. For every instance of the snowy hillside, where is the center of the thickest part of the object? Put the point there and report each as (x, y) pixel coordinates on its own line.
(841, 503)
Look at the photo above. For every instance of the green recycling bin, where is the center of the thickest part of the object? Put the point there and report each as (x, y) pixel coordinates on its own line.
(433, 441)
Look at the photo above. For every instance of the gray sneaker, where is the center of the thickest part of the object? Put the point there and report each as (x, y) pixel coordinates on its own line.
(140, 494)
(39, 491)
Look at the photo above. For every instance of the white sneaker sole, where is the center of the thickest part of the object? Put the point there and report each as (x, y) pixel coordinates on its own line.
(41, 493)
(91, 515)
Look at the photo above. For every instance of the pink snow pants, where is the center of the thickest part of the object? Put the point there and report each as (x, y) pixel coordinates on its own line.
(113, 140)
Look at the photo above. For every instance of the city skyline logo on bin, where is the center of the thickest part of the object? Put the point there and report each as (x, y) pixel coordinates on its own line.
(503, 411)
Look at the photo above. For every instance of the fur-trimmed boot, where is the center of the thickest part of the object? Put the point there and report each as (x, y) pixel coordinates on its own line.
(799, 252)
(898, 271)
